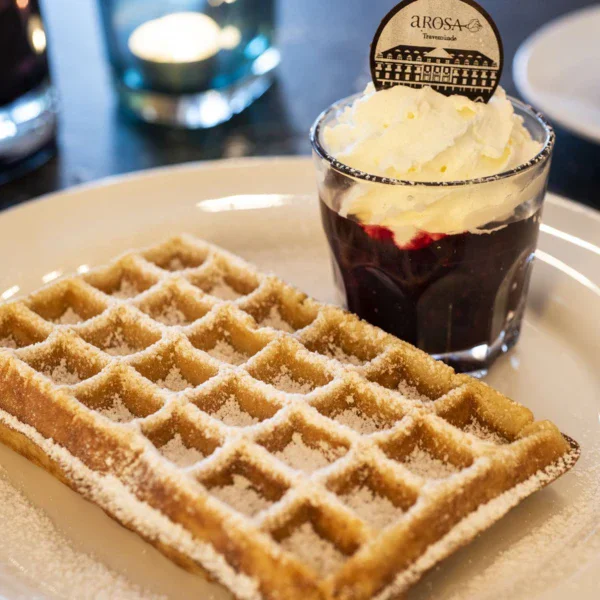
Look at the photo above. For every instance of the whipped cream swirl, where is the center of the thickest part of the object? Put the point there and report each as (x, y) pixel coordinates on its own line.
(421, 135)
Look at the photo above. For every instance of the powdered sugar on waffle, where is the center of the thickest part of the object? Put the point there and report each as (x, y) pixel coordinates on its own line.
(570, 522)
(108, 492)
(472, 524)
(177, 452)
(425, 465)
(411, 392)
(171, 316)
(299, 455)
(242, 496)
(319, 554)
(175, 264)
(117, 411)
(285, 382)
(116, 344)
(126, 290)
(174, 381)
(223, 291)
(231, 413)
(359, 421)
(30, 540)
(61, 375)
(8, 342)
(225, 351)
(376, 510)
(69, 317)
(479, 430)
(276, 321)
(337, 353)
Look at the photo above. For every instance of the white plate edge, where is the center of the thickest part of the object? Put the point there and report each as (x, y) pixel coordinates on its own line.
(520, 72)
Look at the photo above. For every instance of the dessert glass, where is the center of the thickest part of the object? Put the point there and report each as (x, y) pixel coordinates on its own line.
(459, 297)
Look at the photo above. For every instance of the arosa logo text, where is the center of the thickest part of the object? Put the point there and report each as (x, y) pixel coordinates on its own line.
(445, 24)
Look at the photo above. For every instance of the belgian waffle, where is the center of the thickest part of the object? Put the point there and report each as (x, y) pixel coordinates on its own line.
(281, 446)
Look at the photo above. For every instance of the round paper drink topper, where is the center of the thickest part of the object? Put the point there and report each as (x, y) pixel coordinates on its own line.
(452, 46)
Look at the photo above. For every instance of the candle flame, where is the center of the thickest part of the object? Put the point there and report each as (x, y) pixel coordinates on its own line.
(182, 37)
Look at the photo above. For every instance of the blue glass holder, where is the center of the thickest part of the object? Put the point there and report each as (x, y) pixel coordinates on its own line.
(189, 63)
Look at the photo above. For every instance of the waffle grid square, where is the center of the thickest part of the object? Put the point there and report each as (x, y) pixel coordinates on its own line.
(254, 419)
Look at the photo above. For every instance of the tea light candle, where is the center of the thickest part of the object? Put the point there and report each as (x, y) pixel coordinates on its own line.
(177, 53)
(184, 37)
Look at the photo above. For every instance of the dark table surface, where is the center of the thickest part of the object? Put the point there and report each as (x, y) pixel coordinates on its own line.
(324, 47)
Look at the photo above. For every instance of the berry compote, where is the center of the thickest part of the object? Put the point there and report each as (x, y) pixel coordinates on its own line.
(442, 293)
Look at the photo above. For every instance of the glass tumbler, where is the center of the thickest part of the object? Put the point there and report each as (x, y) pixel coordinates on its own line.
(28, 106)
(459, 297)
(189, 63)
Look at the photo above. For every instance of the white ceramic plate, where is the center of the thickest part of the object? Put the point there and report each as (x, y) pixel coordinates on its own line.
(557, 70)
(548, 547)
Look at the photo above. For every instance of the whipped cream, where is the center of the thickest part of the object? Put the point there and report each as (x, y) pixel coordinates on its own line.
(421, 135)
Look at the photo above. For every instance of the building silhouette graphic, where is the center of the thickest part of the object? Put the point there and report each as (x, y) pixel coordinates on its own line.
(466, 72)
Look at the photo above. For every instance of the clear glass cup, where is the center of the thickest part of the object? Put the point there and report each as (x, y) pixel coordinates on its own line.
(459, 297)
(189, 63)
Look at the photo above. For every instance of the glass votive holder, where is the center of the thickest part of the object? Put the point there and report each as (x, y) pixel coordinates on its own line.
(189, 63)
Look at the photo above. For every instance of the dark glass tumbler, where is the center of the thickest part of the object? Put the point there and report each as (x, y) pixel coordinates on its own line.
(27, 99)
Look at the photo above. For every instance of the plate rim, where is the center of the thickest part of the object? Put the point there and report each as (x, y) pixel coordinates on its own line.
(149, 173)
(244, 162)
(520, 70)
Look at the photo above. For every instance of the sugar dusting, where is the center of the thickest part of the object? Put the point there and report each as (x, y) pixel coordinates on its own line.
(177, 452)
(127, 289)
(336, 352)
(117, 410)
(299, 455)
(44, 557)
(525, 559)
(226, 352)
(8, 342)
(171, 316)
(175, 264)
(311, 549)
(358, 420)
(424, 464)
(223, 291)
(562, 543)
(111, 494)
(116, 344)
(232, 414)
(479, 430)
(69, 317)
(411, 392)
(61, 375)
(242, 496)
(378, 511)
(285, 382)
(174, 381)
(276, 321)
